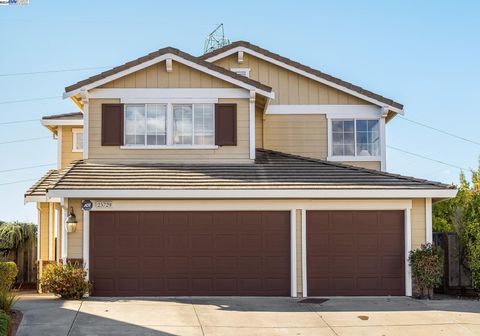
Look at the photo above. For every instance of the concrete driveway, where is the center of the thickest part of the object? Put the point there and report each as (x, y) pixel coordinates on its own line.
(45, 315)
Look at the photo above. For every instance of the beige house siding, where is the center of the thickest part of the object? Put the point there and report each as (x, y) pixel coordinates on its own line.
(68, 155)
(156, 76)
(45, 239)
(418, 220)
(289, 87)
(231, 154)
(364, 164)
(258, 128)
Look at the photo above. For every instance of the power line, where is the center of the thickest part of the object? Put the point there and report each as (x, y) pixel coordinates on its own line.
(24, 168)
(49, 71)
(426, 157)
(18, 121)
(23, 140)
(28, 100)
(18, 181)
(441, 131)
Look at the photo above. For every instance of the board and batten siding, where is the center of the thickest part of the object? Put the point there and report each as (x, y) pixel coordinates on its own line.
(156, 76)
(68, 155)
(45, 238)
(418, 218)
(232, 154)
(75, 239)
(289, 87)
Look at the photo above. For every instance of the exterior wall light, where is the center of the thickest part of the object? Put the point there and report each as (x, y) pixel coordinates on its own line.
(71, 221)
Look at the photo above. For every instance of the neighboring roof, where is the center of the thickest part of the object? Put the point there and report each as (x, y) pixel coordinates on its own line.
(163, 51)
(305, 68)
(64, 116)
(39, 189)
(271, 171)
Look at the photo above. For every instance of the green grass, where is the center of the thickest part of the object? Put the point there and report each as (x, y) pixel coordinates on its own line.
(4, 322)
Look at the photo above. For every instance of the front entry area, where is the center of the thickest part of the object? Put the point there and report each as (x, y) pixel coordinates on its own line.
(355, 253)
(195, 253)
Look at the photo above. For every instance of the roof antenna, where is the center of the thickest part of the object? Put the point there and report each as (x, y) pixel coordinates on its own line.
(216, 39)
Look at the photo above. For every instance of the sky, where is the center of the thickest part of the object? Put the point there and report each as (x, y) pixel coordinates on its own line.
(424, 54)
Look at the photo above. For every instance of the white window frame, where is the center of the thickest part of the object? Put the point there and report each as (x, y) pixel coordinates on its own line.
(75, 131)
(245, 70)
(355, 157)
(169, 127)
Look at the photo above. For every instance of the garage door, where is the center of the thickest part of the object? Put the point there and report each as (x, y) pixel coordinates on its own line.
(190, 253)
(355, 253)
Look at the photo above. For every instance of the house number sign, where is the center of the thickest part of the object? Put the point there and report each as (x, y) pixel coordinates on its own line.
(103, 204)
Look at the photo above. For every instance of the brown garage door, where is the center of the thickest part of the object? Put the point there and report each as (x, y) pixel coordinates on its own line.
(190, 253)
(355, 253)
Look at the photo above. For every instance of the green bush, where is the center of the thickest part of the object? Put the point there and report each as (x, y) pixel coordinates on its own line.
(66, 280)
(427, 268)
(7, 299)
(4, 324)
(8, 272)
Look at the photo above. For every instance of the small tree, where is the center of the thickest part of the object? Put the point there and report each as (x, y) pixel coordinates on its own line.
(14, 235)
(427, 268)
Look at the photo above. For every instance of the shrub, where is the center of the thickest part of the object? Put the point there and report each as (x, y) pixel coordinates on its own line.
(8, 272)
(427, 268)
(7, 300)
(66, 280)
(4, 324)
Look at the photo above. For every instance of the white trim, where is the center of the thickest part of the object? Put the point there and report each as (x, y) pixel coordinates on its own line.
(383, 145)
(167, 101)
(160, 59)
(293, 253)
(86, 107)
(61, 122)
(169, 93)
(168, 65)
(242, 70)
(59, 147)
(35, 199)
(256, 193)
(428, 220)
(64, 204)
(305, 74)
(169, 147)
(75, 131)
(304, 253)
(332, 111)
(39, 232)
(240, 57)
(353, 158)
(86, 241)
(50, 231)
(251, 125)
(408, 247)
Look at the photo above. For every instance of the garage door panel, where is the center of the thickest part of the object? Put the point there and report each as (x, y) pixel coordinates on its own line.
(191, 253)
(355, 253)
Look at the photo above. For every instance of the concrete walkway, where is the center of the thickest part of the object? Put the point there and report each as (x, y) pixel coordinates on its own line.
(46, 315)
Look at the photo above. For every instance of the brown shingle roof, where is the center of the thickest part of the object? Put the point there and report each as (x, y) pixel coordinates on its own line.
(163, 51)
(65, 116)
(304, 68)
(40, 187)
(271, 170)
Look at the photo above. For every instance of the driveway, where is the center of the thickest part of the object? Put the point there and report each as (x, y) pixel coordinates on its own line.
(45, 315)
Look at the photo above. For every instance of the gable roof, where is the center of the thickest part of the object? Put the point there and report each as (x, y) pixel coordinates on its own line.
(273, 172)
(155, 57)
(327, 79)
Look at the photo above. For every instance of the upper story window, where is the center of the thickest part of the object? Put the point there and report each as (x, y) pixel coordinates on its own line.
(241, 71)
(355, 138)
(169, 124)
(77, 140)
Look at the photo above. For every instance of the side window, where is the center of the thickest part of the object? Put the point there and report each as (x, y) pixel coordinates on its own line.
(77, 142)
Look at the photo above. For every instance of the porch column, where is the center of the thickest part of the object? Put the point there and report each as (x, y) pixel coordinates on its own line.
(64, 256)
(86, 241)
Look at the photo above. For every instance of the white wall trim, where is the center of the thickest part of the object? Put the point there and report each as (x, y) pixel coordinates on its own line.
(62, 122)
(293, 253)
(169, 147)
(64, 205)
(383, 145)
(354, 158)
(39, 232)
(160, 59)
(304, 253)
(408, 247)
(85, 100)
(251, 125)
(263, 193)
(428, 220)
(59, 147)
(332, 111)
(303, 73)
(86, 241)
(142, 94)
(245, 70)
(50, 231)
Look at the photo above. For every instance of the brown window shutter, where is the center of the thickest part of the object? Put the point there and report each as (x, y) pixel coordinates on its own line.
(112, 124)
(226, 124)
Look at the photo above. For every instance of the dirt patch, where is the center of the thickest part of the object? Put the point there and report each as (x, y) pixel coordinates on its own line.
(15, 319)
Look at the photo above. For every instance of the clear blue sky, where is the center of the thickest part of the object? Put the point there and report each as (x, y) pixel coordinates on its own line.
(424, 54)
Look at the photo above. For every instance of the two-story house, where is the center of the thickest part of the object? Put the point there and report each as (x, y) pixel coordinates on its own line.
(239, 172)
